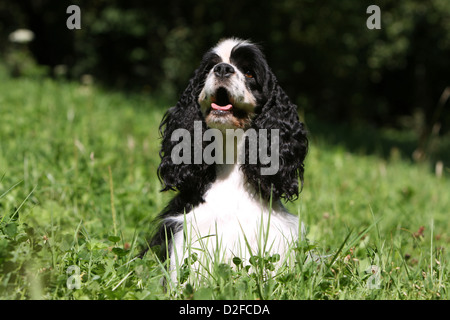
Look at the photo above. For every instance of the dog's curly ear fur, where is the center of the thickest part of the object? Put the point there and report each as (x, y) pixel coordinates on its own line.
(189, 178)
(279, 113)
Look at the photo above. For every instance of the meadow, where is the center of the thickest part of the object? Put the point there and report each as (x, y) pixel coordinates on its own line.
(79, 196)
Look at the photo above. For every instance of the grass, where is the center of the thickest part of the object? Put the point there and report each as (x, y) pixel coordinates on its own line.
(79, 194)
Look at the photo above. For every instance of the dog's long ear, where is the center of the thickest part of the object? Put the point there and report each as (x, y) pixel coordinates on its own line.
(188, 176)
(279, 113)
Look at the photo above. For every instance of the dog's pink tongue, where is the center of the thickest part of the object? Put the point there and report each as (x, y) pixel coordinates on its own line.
(224, 108)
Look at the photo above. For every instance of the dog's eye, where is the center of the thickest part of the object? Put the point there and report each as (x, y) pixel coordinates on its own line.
(248, 74)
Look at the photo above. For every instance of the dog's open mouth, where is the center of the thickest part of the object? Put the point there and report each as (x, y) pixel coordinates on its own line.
(221, 102)
(225, 111)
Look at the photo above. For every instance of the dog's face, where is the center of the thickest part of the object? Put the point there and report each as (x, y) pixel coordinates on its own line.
(233, 86)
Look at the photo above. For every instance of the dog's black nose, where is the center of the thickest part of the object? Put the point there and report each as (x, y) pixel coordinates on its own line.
(223, 70)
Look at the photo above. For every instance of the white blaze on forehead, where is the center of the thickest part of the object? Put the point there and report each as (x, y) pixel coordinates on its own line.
(224, 48)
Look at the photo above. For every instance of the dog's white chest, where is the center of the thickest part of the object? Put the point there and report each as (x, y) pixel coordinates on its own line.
(233, 222)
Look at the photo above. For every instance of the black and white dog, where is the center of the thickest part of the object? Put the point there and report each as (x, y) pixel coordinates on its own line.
(229, 207)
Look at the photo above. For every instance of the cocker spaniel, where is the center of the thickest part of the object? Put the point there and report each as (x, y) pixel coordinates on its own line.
(232, 147)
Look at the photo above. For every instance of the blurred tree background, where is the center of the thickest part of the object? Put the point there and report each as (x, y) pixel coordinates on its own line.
(325, 57)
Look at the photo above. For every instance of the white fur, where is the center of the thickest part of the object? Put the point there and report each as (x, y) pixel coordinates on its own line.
(223, 48)
(231, 211)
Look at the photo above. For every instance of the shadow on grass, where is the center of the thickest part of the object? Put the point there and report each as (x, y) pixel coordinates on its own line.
(383, 142)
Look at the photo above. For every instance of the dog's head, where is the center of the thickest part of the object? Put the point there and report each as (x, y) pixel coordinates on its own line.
(234, 88)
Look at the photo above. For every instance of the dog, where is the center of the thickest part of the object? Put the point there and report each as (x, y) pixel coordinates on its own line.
(226, 210)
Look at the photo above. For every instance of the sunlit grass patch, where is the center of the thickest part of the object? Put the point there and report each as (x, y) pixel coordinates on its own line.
(79, 196)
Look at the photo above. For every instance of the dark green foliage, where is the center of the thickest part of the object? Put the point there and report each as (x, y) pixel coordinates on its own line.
(325, 57)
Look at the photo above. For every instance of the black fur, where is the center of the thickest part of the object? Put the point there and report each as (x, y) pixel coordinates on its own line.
(279, 113)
